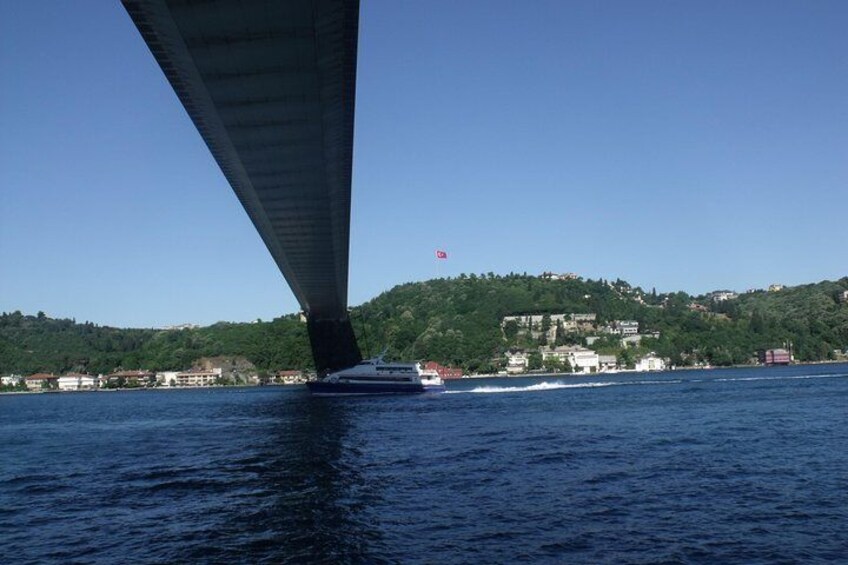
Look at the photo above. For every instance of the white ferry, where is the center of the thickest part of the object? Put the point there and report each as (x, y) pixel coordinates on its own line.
(375, 376)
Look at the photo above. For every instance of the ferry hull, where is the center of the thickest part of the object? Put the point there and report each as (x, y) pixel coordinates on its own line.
(320, 388)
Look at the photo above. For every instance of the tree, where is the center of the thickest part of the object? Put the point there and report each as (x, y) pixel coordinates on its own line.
(511, 330)
(553, 364)
(534, 361)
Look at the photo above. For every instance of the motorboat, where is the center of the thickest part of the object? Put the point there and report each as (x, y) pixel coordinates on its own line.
(377, 376)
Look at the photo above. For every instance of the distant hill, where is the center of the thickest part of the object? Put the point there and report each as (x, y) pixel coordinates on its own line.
(458, 321)
(31, 344)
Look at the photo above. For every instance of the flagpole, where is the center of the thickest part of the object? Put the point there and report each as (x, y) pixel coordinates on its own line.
(441, 255)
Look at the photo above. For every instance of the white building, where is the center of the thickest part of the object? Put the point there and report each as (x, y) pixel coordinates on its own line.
(582, 360)
(167, 378)
(535, 320)
(199, 377)
(78, 382)
(723, 296)
(588, 317)
(516, 362)
(631, 340)
(11, 380)
(560, 353)
(607, 362)
(650, 363)
(627, 327)
(560, 277)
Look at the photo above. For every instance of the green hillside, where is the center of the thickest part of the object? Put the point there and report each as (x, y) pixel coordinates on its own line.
(458, 321)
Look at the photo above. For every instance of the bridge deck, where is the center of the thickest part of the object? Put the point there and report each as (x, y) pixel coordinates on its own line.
(270, 86)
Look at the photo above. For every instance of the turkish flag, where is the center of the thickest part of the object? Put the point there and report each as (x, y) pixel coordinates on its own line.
(441, 254)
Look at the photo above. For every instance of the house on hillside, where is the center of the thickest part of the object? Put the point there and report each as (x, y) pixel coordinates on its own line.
(627, 327)
(559, 277)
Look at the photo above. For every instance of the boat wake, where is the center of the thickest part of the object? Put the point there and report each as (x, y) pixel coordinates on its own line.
(530, 388)
(557, 385)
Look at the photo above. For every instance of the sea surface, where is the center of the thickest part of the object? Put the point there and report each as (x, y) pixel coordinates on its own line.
(717, 466)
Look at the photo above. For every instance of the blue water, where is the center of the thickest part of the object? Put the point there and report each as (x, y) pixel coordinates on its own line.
(745, 466)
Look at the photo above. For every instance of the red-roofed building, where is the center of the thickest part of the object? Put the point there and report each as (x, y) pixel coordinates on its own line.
(443, 372)
(129, 378)
(40, 381)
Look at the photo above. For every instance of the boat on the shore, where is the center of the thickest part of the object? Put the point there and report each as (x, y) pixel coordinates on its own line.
(376, 376)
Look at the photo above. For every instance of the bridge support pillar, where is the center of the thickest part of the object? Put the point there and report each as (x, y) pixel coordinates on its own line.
(333, 344)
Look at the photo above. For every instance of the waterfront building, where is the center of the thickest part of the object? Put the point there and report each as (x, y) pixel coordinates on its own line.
(775, 357)
(580, 359)
(650, 363)
(77, 381)
(129, 378)
(443, 372)
(41, 381)
(584, 361)
(607, 362)
(11, 380)
(516, 362)
(561, 353)
(199, 377)
(290, 377)
(167, 378)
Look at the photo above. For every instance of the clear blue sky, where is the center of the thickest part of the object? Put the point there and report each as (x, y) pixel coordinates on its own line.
(682, 145)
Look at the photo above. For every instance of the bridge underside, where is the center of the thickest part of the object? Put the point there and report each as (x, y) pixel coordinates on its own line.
(270, 86)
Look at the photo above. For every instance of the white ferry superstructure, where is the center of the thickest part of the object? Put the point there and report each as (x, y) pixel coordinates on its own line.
(376, 376)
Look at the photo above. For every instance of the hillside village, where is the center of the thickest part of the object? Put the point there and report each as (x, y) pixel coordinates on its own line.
(554, 330)
(565, 340)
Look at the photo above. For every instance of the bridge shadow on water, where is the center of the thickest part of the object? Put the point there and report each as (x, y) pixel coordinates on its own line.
(312, 504)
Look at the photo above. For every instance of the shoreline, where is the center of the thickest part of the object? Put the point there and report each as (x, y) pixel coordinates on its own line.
(631, 371)
(463, 378)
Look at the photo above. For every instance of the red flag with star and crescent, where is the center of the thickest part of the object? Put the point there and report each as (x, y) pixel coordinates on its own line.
(441, 254)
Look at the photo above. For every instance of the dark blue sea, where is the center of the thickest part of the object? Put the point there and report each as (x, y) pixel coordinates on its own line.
(718, 466)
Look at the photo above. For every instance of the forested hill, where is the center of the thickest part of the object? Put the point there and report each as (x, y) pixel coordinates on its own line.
(458, 321)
